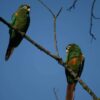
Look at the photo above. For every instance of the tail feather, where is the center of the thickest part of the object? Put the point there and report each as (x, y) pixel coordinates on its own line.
(70, 91)
(9, 52)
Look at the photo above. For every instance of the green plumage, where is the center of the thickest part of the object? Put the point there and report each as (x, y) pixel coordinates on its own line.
(20, 20)
(75, 61)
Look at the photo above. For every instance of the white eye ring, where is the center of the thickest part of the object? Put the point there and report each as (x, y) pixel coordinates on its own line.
(67, 50)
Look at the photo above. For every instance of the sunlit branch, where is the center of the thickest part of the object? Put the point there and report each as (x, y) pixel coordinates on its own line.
(55, 33)
(88, 89)
(58, 59)
(54, 21)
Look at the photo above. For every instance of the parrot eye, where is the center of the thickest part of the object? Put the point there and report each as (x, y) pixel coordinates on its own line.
(67, 49)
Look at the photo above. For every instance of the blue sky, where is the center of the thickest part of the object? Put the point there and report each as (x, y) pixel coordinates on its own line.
(30, 74)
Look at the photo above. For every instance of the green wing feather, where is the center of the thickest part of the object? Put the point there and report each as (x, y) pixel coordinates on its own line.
(13, 21)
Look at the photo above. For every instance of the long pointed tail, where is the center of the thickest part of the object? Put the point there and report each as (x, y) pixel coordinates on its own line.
(9, 52)
(70, 91)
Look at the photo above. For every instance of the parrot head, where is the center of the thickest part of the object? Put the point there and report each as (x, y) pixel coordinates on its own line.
(71, 48)
(24, 7)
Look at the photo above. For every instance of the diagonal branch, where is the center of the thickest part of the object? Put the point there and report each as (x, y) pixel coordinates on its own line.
(88, 89)
(72, 6)
(42, 48)
(55, 16)
(58, 59)
(30, 40)
(59, 12)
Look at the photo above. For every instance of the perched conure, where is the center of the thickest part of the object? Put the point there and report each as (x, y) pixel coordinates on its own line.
(75, 61)
(20, 20)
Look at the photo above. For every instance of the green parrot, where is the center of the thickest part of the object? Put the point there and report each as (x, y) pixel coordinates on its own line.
(75, 61)
(20, 20)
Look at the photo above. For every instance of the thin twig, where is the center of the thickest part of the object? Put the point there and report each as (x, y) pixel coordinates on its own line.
(60, 61)
(73, 5)
(95, 17)
(55, 93)
(59, 12)
(54, 21)
(46, 7)
(55, 36)
(55, 33)
(91, 21)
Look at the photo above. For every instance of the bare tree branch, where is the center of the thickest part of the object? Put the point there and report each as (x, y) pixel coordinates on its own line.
(55, 16)
(88, 89)
(60, 61)
(59, 12)
(91, 21)
(72, 6)
(55, 37)
(42, 48)
(95, 17)
(55, 93)
(92, 16)
(46, 7)
(55, 33)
